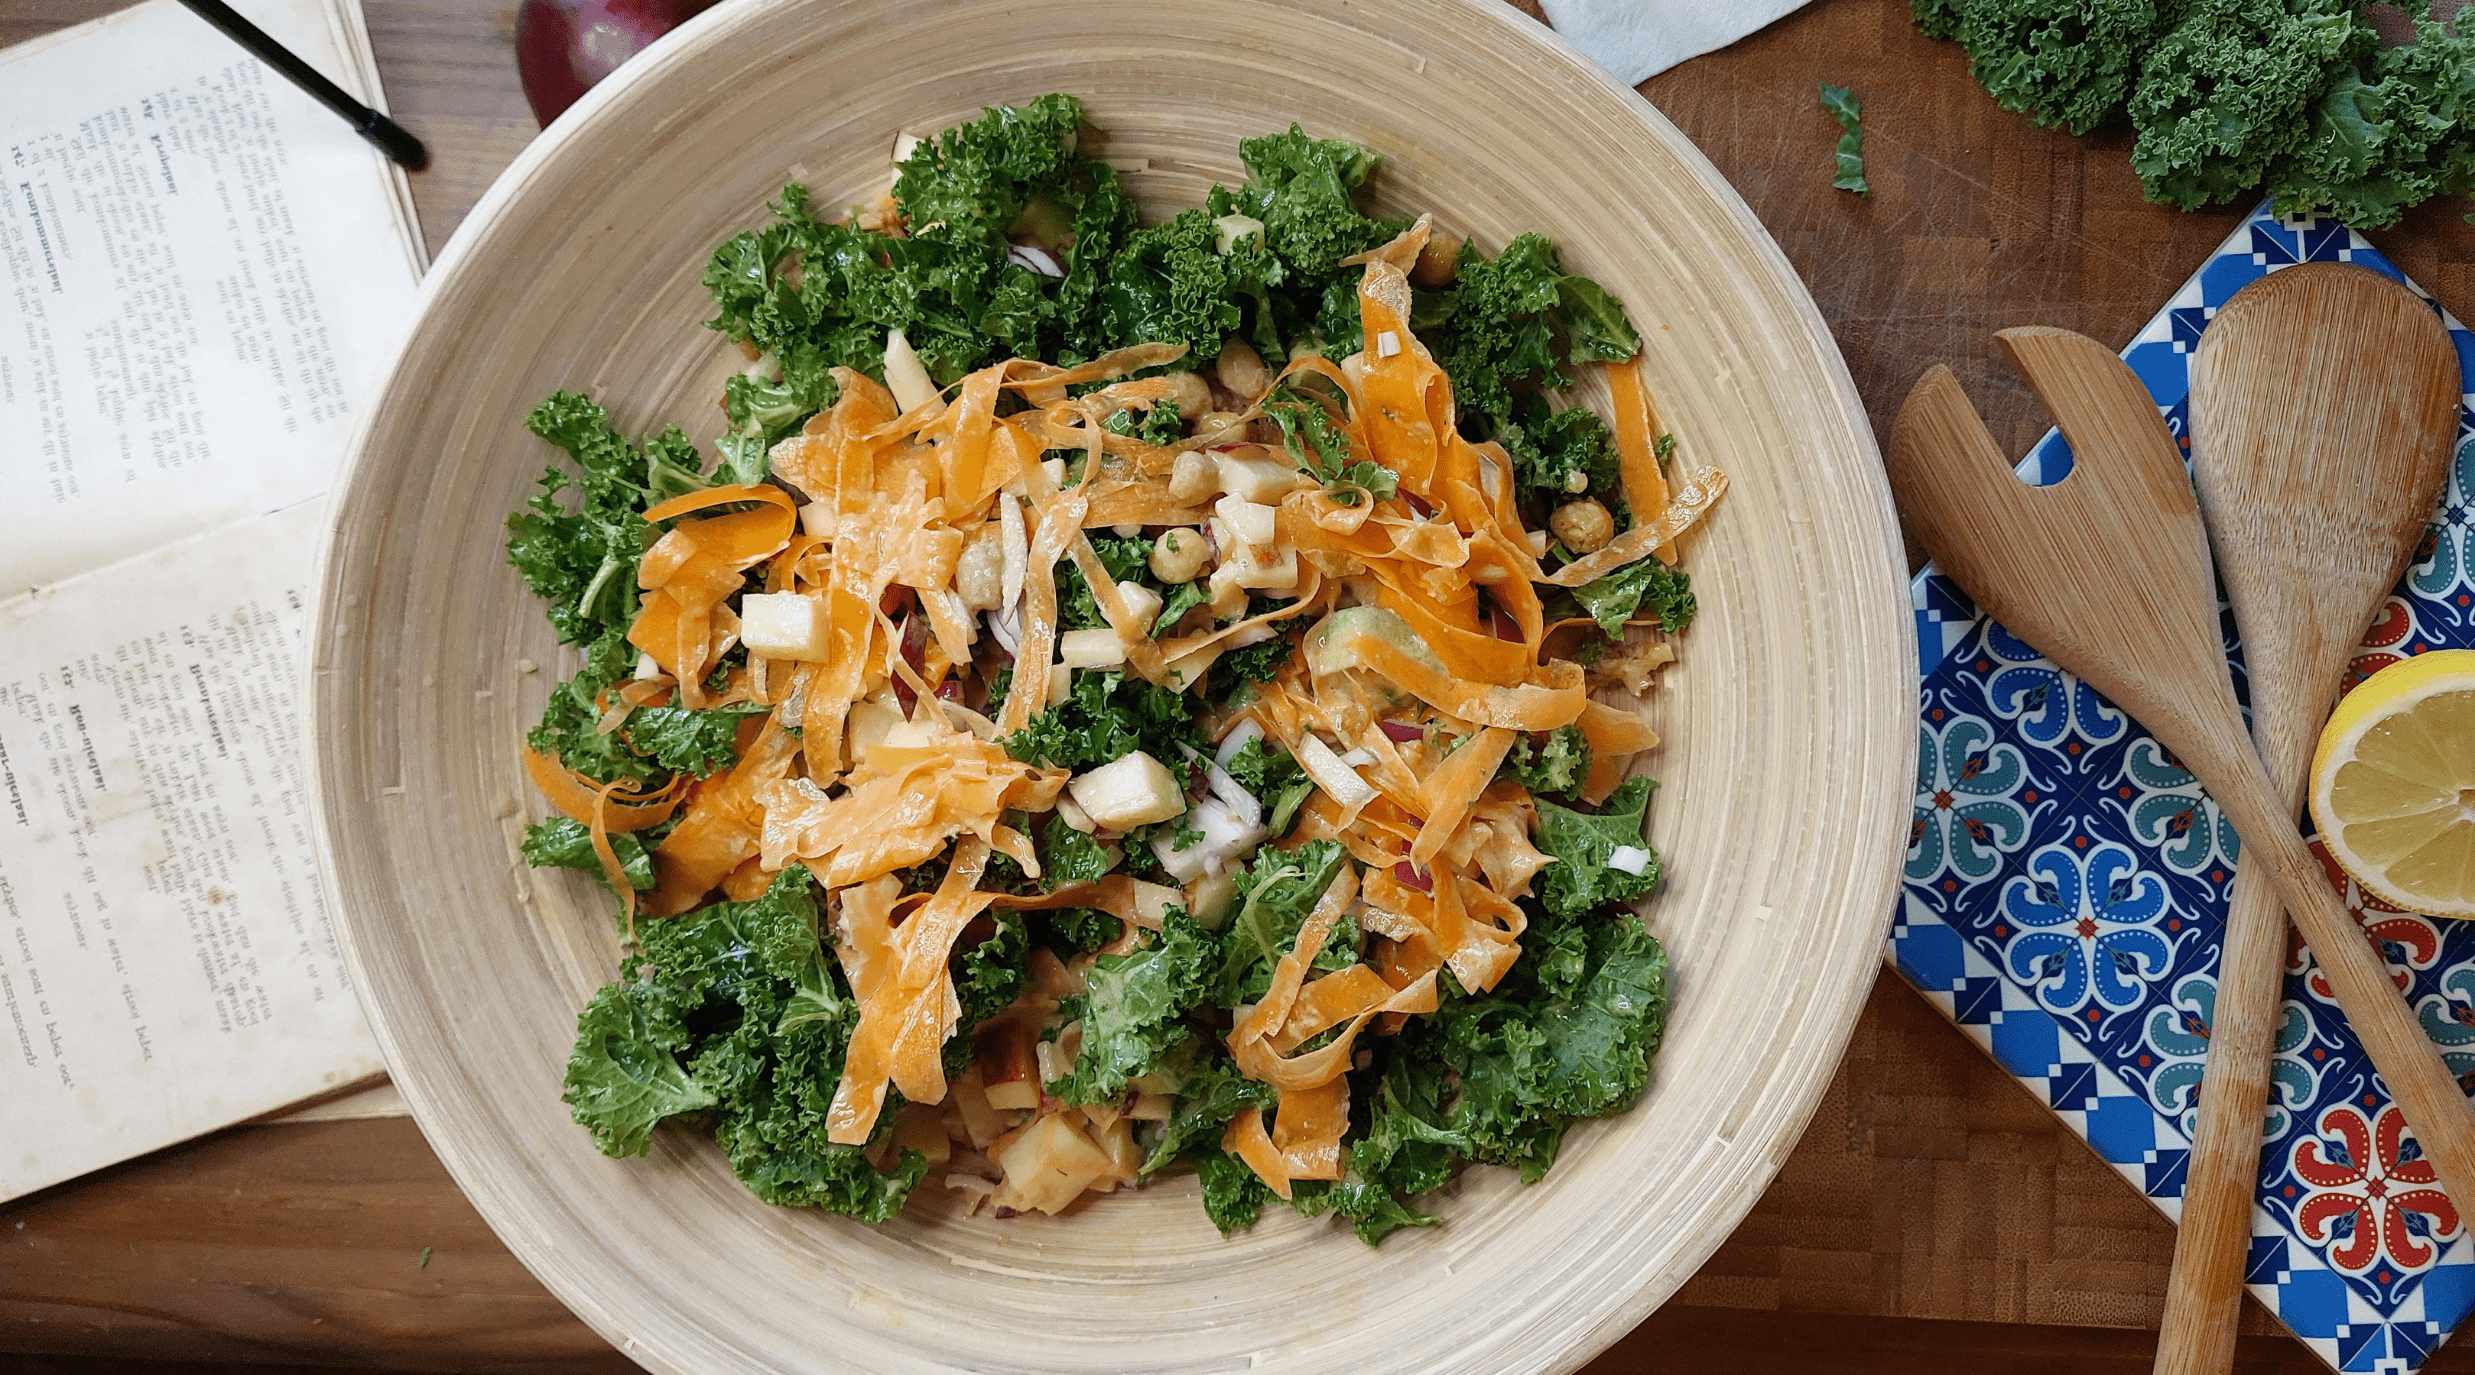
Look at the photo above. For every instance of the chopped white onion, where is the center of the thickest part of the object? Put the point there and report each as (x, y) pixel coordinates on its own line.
(1359, 758)
(1333, 776)
(1632, 859)
(1230, 793)
(1387, 343)
(1237, 737)
(1005, 625)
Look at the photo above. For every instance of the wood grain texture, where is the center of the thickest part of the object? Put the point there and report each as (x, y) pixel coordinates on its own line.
(2324, 405)
(1789, 724)
(1934, 1216)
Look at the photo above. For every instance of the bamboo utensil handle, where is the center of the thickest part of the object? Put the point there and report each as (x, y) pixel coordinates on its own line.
(2324, 402)
(2212, 1241)
(2107, 573)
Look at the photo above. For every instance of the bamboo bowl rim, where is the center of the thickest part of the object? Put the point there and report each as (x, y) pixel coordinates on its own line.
(1789, 719)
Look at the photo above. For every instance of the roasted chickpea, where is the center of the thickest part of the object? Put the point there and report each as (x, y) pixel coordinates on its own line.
(1177, 555)
(1195, 477)
(1584, 526)
(1241, 370)
(1192, 394)
(1439, 262)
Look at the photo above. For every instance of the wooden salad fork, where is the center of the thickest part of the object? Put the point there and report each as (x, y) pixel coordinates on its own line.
(2324, 399)
(2107, 573)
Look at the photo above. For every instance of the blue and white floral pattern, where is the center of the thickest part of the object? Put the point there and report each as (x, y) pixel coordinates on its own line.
(1967, 810)
(2091, 926)
(2066, 894)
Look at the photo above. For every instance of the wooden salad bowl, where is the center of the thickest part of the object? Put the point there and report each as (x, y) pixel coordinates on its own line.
(1786, 776)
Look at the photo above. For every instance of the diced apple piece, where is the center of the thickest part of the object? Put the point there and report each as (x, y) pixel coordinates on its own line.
(1210, 899)
(1049, 1166)
(1253, 522)
(1009, 1073)
(1186, 670)
(1140, 600)
(866, 727)
(1264, 572)
(1258, 479)
(905, 376)
(1098, 647)
(785, 625)
(1231, 230)
(1132, 791)
(980, 1120)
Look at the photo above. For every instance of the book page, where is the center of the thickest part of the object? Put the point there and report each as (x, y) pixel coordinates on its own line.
(201, 269)
(165, 962)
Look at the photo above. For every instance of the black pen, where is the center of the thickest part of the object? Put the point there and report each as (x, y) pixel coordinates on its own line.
(391, 137)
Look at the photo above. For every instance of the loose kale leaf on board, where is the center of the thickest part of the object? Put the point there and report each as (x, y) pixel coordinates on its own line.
(1844, 107)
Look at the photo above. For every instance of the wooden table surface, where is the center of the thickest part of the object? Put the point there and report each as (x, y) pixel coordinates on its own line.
(1934, 1214)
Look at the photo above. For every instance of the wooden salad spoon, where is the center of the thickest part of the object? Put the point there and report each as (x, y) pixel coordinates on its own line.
(2107, 573)
(2324, 403)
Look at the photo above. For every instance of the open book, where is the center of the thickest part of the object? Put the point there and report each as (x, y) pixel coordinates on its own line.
(202, 274)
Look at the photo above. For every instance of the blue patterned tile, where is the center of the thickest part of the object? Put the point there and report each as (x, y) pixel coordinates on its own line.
(2066, 894)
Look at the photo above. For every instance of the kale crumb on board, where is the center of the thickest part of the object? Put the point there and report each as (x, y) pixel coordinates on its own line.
(737, 1013)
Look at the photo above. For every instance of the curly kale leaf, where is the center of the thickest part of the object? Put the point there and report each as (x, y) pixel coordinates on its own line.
(566, 843)
(1316, 440)
(1133, 1009)
(1126, 558)
(1555, 765)
(689, 741)
(2063, 63)
(1175, 283)
(2231, 89)
(584, 562)
(1580, 881)
(1082, 928)
(1069, 857)
(2381, 145)
(1526, 1062)
(1210, 1091)
(736, 1007)
(1559, 456)
(981, 177)
(1496, 332)
(570, 722)
(1300, 188)
(990, 975)
(624, 1075)
(1275, 892)
(1644, 586)
(1275, 778)
(1158, 426)
(1233, 1194)
(1107, 715)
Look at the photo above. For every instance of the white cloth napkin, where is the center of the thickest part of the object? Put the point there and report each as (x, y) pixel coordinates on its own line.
(1638, 39)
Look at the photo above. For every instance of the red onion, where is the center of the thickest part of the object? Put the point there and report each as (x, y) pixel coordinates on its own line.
(1408, 873)
(950, 690)
(563, 47)
(1402, 732)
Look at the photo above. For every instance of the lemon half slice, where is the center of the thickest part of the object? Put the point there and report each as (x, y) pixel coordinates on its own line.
(2393, 784)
